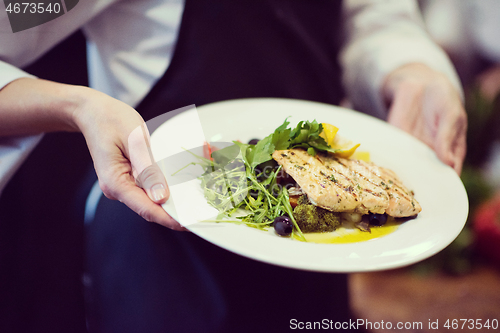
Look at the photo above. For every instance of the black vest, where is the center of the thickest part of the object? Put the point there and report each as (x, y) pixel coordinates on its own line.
(261, 48)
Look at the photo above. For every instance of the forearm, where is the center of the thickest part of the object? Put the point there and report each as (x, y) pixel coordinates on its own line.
(31, 106)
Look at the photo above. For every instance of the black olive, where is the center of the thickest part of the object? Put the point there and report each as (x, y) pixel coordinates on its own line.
(283, 225)
(377, 219)
(253, 141)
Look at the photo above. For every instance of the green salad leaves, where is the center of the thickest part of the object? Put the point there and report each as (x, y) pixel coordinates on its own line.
(245, 177)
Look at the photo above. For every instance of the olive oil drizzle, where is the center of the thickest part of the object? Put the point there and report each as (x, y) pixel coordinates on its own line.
(345, 235)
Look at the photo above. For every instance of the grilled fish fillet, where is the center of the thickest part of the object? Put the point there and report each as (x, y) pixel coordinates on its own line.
(345, 185)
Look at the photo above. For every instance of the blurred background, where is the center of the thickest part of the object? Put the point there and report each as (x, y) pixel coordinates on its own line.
(462, 281)
(41, 240)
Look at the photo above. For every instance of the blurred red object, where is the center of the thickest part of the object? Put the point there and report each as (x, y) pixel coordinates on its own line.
(208, 149)
(486, 226)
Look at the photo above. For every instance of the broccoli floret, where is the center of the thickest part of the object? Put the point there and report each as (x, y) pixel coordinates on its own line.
(304, 200)
(314, 219)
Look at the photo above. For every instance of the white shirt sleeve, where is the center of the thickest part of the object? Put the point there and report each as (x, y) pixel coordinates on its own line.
(10, 73)
(20, 49)
(126, 59)
(13, 150)
(130, 45)
(382, 36)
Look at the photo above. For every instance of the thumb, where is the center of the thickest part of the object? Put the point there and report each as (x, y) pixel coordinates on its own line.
(147, 173)
(151, 179)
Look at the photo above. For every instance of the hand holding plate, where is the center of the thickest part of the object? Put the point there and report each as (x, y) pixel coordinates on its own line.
(424, 103)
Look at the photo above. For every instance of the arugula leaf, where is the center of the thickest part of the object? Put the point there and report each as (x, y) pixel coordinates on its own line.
(246, 150)
(281, 139)
(262, 151)
(282, 126)
(225, 155)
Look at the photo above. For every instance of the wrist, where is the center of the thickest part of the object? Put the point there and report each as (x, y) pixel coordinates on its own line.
(418, 78)
(98, 115)
(77, 106)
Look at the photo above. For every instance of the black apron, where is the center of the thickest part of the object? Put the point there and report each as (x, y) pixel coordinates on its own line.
(242, 49)
(226, 49)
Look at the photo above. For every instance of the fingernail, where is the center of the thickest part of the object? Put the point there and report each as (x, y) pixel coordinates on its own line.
(158, 192)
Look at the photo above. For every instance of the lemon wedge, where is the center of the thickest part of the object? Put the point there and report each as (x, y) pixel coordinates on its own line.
(345, 147)
(361, 155)
(329, 132)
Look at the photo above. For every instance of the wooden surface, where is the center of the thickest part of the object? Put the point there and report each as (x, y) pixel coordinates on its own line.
(402, 296)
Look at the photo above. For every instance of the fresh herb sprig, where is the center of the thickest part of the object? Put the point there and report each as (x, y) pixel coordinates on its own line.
(305, 135)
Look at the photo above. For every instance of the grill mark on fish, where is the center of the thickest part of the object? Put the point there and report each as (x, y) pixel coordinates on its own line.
(396, 182)
(397, 191)
(345, 188)
(374, 183)
(360, 175)
(389, 181)
(333, 196)
(348, 185)
(373, 199)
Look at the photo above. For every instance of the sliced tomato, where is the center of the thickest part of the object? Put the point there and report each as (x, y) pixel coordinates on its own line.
(208, 149)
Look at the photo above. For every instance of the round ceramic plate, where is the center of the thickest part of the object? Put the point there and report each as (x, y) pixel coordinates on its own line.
(437, 187)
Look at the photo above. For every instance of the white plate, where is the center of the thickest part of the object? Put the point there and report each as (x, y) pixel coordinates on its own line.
(437, 187)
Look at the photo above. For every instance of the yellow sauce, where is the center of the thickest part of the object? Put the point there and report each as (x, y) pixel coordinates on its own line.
(351, 234)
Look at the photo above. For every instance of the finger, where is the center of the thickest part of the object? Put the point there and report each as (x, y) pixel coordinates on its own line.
(444, 142)
(153, 182)
(148, 174)
(460, 155)
(460, 149)
(450, 144)
(135, 198)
